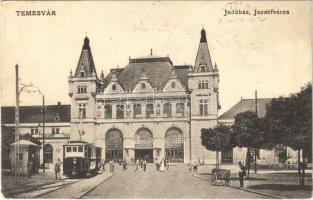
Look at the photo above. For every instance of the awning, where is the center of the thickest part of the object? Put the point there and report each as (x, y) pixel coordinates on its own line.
(25, 143)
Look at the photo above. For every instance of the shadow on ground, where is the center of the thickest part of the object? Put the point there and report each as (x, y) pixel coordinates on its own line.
(281, 187)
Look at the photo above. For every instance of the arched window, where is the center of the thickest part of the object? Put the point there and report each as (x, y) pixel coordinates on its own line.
(174, 145)
(48, 154)
(114, 145)
(143, 139)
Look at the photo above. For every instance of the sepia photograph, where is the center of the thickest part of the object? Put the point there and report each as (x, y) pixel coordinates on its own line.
(156, 99)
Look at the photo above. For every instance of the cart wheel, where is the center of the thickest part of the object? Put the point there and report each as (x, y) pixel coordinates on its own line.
(227, 182)
(213, 180)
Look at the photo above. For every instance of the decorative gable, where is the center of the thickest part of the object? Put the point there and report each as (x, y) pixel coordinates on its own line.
(143, 85)
(173, 84)
(114, 87)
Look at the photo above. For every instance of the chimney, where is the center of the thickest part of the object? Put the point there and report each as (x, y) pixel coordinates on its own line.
(59, 103)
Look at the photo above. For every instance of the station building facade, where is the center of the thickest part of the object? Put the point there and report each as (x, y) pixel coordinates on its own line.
(149, 109)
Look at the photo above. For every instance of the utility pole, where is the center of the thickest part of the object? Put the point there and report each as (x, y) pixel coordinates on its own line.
(43, 133)
(256, 112)
(17, 129)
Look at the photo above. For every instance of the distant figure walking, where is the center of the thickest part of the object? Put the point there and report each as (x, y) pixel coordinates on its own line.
(57, 169)
(167, 164)
(242, 173)
(103, 165)
(124, 165)
(189, 167)
(29, 168)
(195, 167)
(162, 165)
(137, 165)
(141, 163)
(144, 165)
(111, 164)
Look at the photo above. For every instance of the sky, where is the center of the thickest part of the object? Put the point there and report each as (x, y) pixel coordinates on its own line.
(268, 53)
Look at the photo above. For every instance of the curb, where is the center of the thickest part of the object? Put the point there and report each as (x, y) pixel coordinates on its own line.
(247, 190)
(89, 190)
(57, 188)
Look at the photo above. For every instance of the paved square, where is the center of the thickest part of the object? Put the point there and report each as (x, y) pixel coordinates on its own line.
(175, 183)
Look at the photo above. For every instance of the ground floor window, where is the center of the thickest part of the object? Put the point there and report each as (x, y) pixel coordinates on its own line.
(174, 145)
(48, 153)
(227, 156)
(114, 145)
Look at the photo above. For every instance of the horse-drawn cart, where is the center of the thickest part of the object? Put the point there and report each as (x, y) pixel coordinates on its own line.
(220, 176)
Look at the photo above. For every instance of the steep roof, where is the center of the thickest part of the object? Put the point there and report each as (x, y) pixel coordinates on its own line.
(203, 55)
(33, 114)
(85, 61)
(246, 105)
(157, 69)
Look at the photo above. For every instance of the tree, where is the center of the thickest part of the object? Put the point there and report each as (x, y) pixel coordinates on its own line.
(217, 139)
(247, 133)
(7, 138)
(289, 122)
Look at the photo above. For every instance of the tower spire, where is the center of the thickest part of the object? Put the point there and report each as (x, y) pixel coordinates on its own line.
(203, 59)
(85, 66)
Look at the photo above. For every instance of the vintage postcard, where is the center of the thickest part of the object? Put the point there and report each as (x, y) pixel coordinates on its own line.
(156, 99)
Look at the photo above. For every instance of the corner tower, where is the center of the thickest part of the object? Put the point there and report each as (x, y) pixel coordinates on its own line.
(83, 87)
(203, 80)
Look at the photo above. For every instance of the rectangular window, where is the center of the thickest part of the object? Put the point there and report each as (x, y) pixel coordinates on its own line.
(68, 149)
(108, 111)
(53, 131)
(74, 149)
(57, 131)
(137, 110)
(157, 109)
(180, 109)
(80, 149)
(149, 110)
(167, 110)
(120, 111)
(203, 107)
(34, 131)
(82, 110)
(199, 85)
(206, 85)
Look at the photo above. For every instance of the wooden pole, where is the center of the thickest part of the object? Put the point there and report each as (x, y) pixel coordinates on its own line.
(43, 133)
(256, 112)
(17, 131)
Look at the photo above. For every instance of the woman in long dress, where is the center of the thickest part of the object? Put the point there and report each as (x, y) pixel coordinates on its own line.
(162, 166)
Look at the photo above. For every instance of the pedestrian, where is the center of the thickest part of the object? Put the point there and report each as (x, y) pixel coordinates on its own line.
(141, 163)
(57, 169)
(29, 168)
(167, 164)
(242, 173)
(103, 165)
(137, 165)
(162, 165)
(124, 165)
(189, 167)
(195, 167)
(144, 165)
(111, 164)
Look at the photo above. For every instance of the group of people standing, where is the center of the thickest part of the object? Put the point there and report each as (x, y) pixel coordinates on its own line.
(111, 165)
(162, 165)
(141, 165)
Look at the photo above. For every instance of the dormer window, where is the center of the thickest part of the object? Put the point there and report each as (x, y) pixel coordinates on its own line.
(143, 85)
(173, 84)
(203, 68)
(57, 118)
(113, 87)
(82, 73)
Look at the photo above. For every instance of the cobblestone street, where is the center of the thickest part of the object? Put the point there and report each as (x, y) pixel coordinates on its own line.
(175, 183)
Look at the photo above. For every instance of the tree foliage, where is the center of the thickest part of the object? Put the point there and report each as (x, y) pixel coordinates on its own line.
(218, 138)
(247, 131)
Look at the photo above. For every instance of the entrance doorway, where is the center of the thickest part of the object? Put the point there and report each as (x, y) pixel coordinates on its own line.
(144, 154)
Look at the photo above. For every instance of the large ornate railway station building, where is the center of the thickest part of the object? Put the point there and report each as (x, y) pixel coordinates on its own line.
(150, 109)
